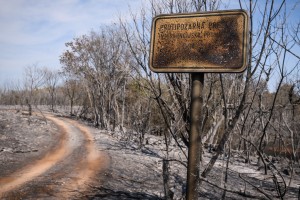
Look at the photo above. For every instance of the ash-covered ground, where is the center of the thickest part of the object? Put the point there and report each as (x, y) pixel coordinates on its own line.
(23, 139)
(137, 173)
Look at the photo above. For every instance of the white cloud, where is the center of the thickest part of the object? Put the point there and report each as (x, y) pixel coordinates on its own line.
(36, 30)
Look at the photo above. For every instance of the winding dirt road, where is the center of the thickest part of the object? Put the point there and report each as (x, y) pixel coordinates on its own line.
(64, 172)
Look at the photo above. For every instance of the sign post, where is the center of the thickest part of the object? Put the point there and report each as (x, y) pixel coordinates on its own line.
(198, 43)
(195, 136)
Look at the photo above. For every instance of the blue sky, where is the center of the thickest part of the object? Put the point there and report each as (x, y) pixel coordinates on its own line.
(35, 31)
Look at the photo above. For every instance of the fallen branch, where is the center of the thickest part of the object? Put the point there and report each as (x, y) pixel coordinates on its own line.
(179, 161)
(229, 190)
(257, 188)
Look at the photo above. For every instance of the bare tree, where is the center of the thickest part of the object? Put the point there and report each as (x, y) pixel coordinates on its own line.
(242, 109)
(71, 89)
(100, 61)
(115, 60)
(34, 78)
(51, 83)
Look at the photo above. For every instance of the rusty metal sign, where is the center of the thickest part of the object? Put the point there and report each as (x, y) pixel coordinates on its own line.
(200, 42)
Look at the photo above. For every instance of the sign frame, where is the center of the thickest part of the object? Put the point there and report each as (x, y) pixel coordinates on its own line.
(187, 67)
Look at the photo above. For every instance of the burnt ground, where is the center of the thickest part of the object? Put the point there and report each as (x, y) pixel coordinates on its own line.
(59, 157)
(137, 174)
(23, 139)
(133, 172)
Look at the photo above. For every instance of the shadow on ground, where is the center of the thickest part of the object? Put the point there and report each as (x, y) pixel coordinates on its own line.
(105, 193)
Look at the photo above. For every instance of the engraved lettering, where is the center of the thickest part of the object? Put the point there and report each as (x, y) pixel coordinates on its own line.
(186, 26)
(207, 41)
(213, 25)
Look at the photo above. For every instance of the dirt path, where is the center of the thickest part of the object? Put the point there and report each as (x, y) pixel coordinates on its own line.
(63, 172)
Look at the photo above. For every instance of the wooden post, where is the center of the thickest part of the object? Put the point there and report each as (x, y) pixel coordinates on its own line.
(195, 136)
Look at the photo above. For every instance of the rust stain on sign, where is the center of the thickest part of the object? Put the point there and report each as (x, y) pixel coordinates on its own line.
(200, 42)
